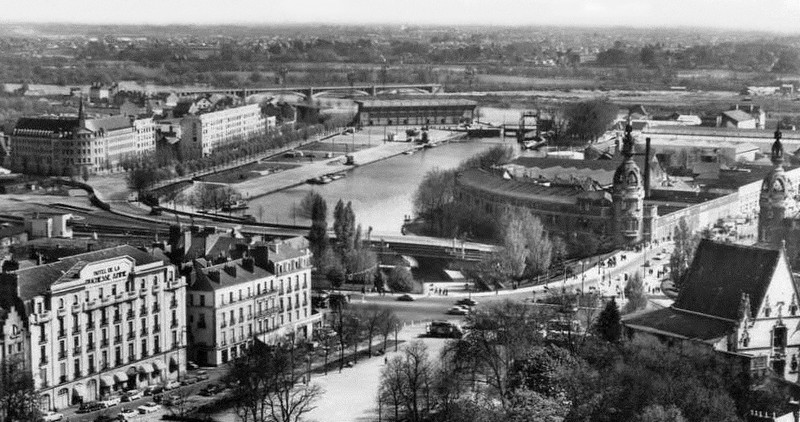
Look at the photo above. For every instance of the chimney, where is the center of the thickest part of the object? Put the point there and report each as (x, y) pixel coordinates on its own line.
(261, 256)
(10, 265)
(646, 167)
(248, 263)
(231, 270)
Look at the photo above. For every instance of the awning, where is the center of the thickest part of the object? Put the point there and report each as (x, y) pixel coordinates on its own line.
(132, 371)
(142, 369)
(106, 381)
(78, 391)
(120, 377)
(158, 365)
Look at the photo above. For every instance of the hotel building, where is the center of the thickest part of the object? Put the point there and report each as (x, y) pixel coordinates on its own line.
(99, 323)
(264, 295)
(205, 132)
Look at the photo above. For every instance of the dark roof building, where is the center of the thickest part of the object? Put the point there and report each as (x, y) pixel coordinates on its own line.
(414, 112)
(736, 299)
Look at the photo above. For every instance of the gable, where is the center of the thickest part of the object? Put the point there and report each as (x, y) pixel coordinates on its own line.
(719, 275)
(780, 293)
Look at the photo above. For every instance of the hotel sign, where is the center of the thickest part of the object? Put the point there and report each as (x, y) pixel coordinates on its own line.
(106, 271)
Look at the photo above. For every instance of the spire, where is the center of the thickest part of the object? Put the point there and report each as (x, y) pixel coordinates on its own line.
(81, 117)
(777, 149)
(627, 141)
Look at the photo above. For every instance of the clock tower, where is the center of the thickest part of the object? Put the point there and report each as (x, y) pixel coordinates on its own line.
(628, 196)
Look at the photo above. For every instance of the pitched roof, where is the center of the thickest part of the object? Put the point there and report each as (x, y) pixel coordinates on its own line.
(36, 280)
(49, 124)
(216, 276)
(676, 323)
(737, 115)
(721, 272)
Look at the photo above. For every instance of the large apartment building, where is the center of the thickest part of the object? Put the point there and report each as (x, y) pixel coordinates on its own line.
(100, 322)
(264, 295)
(205, 132)
(67, 145)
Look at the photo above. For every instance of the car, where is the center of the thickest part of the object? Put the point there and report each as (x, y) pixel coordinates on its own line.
(201, 375)
(104, 418)
(156, 389)
(110, 401)
(170, 399)
(51, 416)
(148, 408)
(210, 390)
(467, 302)
(405, 298)
(457, 310)
(132, 395)
(126, 414)
(171, 385)
(192, 366)
(90, 407)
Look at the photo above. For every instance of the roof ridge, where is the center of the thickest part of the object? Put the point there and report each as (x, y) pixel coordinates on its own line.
(702, 314)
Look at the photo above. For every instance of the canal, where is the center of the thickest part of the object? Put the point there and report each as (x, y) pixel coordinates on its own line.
(382, 193)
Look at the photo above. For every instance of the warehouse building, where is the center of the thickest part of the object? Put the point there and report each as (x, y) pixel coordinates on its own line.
(414, 112)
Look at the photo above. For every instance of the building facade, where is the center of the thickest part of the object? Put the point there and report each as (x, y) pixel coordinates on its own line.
(740, 300)
(101, 322)
(628, 196)
(264, 295)
(414, 112)
(204, 133)
(64, 145)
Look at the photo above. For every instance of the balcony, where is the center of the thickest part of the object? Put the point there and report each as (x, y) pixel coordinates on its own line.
(117, 318)
(144, 331)
(43, 361)
(223, 325)
(76, 308)
(118, 362)
(93, 304)
(143, 311)
(131, 295)
(157, 349)
(104, 322)
(131, 335)
(76, 329)
(90, 346)
(61, 312)
(145, 354)
(156, 308)
(156, 328)
(117, 339)
(143, 291)
(130, 315)
(173, 304)
(42, 339)
(62, 379)
(90, 325)
(119, 296)
(90, 370)
(104, 342)
(78, 374)
(249, 317)
(174, 323)
(156, 287)
(62, 354)
(76, 350)
(104, 366)
(174, 284)
(241, 319)
(42, 317)
(62, 333)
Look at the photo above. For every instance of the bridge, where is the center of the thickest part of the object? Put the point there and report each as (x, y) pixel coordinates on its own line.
(409, 245)
(309, 92)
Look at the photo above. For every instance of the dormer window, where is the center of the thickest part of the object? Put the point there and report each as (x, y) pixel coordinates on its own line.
(767, 311)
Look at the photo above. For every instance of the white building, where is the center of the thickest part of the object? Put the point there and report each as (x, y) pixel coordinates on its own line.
(204, 133)
(264, 295)
(101, 322)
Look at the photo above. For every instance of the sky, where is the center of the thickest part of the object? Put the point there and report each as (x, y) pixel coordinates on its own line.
(765, 15)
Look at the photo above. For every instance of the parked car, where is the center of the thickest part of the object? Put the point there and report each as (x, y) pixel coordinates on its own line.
(104, 418)
(201, 375)
(467, 302)
(156, 389)
(457, 310)
(149, 408)
(132, 395)
(405, 298)
(210, 390)
(171, 385)
(110, 401)
(90, 407)
(169, 399)
(51, 416)
(126, 414)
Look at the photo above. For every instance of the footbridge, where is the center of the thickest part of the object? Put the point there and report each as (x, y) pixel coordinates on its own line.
(309, 92)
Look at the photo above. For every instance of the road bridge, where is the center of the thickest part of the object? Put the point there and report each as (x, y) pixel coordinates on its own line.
(309, 92)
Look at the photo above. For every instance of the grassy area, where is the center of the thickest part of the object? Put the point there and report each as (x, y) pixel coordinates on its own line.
(247, 172)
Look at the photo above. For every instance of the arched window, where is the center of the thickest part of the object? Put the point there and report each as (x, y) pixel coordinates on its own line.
(61, 303)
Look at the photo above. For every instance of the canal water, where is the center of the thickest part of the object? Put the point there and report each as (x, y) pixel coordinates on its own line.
(382, 193)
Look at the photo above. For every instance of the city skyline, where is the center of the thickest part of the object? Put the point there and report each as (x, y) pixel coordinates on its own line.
(773, 15)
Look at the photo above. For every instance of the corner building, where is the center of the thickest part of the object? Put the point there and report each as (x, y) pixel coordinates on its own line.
(265, 295)
(101, 322)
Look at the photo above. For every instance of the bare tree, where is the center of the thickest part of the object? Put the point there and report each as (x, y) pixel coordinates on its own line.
(371, 317)
(18, 399)
(407, 383)
(387, 324)
(268, 384)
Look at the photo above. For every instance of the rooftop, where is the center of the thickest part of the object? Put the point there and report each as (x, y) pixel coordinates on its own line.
(226, 274)
(737, 115)
(721, 132)
(676, 323)
(416, 103)
(529, 191)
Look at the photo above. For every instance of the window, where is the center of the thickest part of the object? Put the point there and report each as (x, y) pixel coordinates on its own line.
(201, 321)
(202, 300)
(779, 337)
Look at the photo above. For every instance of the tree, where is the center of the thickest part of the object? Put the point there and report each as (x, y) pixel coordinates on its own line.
(634, 293)
(658, 413)
(608, 325)
(683, 253)
(344, 225)
(267, 384)
(388, 324)
(318, 236)
(18, 399)
(590, 119)
(407, 381)
(435, 190)
(527, 246)
(401, 280)
(372, 317)
(140, 179)
(306, 206)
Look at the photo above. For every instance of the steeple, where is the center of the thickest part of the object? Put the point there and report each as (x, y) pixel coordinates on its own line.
(628, 195)
(777, 199)
(777, 149)
(81, 117)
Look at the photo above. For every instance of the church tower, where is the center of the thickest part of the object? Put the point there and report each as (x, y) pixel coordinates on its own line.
(777, 202)
(628, 196)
